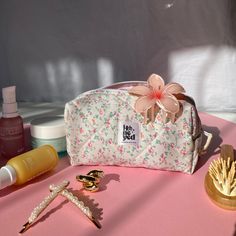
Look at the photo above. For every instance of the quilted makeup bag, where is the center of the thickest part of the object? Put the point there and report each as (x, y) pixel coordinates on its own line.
(135, 124)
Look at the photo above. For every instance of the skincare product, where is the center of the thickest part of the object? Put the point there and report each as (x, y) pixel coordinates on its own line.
(27, 166)
(11, 126)
(49, 130)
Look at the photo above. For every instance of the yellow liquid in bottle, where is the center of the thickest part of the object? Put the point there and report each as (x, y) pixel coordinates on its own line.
(34, 163)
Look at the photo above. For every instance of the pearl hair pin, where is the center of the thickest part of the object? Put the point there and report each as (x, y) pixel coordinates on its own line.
(43, 205)
(55, 191)
(72, 198)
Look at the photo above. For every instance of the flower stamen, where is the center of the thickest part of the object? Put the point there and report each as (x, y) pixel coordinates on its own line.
(155, 94)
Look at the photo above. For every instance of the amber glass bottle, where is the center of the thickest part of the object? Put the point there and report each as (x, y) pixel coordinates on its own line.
(12, 141)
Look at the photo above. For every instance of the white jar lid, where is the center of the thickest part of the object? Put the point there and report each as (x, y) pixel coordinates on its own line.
(49, 127)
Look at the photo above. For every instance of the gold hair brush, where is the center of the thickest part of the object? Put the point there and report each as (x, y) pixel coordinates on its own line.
(220, 180)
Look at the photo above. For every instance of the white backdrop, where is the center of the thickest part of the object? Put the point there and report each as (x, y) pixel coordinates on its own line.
(54, 50)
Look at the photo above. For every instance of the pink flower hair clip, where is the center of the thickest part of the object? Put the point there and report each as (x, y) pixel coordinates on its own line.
(157, 96)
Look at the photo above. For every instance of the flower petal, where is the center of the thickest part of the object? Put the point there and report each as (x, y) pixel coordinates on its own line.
(174, 88)
(156, 82)
(140, 90)
(143, 103)
(169, 103)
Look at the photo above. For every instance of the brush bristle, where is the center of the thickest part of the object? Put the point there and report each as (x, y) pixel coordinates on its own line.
(223, 175)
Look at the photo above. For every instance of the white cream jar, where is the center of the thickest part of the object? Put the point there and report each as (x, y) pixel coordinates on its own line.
(49, 130)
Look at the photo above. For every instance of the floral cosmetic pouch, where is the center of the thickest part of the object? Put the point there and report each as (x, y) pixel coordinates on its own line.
(135, 124)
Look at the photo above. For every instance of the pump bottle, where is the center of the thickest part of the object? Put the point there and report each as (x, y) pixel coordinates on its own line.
(28, 165)
(11, 126)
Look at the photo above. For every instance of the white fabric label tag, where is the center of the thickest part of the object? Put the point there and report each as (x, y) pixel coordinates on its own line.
(128, 133)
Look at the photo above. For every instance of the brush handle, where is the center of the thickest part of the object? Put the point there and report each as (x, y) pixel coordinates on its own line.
(226, 151)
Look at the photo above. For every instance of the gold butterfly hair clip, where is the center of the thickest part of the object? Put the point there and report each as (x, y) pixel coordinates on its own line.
(91, 180)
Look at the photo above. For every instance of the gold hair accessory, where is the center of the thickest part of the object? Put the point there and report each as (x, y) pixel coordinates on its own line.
(72, 198)
(55, 191)
(46, 201)
(220, 180)
(91, 180)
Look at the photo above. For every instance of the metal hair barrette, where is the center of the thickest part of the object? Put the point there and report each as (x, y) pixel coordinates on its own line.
(55, 191)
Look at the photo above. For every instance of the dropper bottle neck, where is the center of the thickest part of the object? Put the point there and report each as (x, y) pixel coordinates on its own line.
(9, 106)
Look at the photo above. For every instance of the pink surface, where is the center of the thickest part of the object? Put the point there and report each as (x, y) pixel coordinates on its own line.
(132, 201)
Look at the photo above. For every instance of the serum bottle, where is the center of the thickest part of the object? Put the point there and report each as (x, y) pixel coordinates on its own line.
(12, 141)
(29, 165)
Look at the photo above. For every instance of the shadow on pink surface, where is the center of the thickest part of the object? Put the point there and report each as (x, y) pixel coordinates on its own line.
(133, 205)
(106, 179)
(223, 133)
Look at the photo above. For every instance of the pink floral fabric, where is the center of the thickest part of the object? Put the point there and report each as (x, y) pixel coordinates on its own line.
(92, 127)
